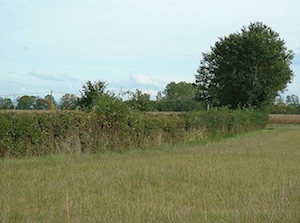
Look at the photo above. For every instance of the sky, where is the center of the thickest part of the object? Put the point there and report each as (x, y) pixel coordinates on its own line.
(58, 45)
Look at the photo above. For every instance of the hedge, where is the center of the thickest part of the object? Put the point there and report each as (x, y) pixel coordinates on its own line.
(43, 133)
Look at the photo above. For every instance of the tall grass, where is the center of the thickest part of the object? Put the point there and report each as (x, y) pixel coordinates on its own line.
(253, 178)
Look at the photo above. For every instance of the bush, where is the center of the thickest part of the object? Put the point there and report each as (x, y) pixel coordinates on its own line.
(225, 122)
(34, 134)
(113, 126)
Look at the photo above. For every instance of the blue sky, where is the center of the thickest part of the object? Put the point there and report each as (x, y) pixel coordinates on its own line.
(131, 44)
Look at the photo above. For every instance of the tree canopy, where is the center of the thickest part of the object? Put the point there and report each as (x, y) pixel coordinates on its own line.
(68, 102)
(6, 103)
(139, 100)
(178, 97)
(90, 92)
(25, 102)
(179, 91)
(247, 68)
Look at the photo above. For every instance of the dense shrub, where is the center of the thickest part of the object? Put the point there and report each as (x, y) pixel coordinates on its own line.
(225, 122)
(33, 133)
(113, 126)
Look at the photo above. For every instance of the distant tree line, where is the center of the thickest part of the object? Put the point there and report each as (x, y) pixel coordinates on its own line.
(246, 69)
(176, 97)
(290, 105)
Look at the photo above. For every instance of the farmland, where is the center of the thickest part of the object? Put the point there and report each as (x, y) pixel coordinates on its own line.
(254, 177)
(284, 119)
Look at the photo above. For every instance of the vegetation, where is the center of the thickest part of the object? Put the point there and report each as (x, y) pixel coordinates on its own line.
(69, 102)
(37, 103)
(178, 97)
(139, 101)
(6, 103)
(290, 106)
(245, 69)
(90, 92)
(113, 126)
(250, 178)
(253, 178)
(25, 102)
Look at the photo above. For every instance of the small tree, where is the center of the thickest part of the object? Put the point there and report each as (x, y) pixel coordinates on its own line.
(139, 101)
(40, 104)
(292, 100)
(245, 69)
(69, 102)
(50, 101)
(90, 92)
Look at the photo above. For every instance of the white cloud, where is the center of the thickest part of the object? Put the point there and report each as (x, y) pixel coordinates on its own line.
(142, 79)
(37, 84)
(52, 76)
(48, 76)
(112, 40)
(142, 82)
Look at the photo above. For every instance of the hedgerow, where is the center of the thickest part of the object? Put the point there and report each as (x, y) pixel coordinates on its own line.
(112, 126)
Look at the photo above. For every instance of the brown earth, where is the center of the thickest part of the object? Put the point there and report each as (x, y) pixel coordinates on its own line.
(284, 119)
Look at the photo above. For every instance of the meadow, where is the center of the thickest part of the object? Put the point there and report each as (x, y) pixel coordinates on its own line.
(254, 177)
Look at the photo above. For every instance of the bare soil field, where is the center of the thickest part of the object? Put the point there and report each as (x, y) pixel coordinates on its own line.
(284, 119)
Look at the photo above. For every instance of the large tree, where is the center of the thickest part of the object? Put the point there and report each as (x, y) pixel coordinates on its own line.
(25, 102)
(179, 91)
(6, 103)
(247, 68)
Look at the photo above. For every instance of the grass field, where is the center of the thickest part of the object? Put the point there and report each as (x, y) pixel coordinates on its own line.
(249, 178)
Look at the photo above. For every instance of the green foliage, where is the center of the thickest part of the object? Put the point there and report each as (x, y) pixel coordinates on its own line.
(6, 103)
(290, 106)
(178, 97)
(245, 69)
(139, 101)
(224, 122)
(25, 102)
(179, 91)
(292, 100)
(34, 134)
(40, 104)
(113, 113)
(68, 102)
(178, 105)
(112, 126)
(90, 91)
(50, 102)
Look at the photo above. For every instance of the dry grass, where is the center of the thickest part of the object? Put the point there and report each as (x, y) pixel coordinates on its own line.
(284, 119)
(253, 178)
